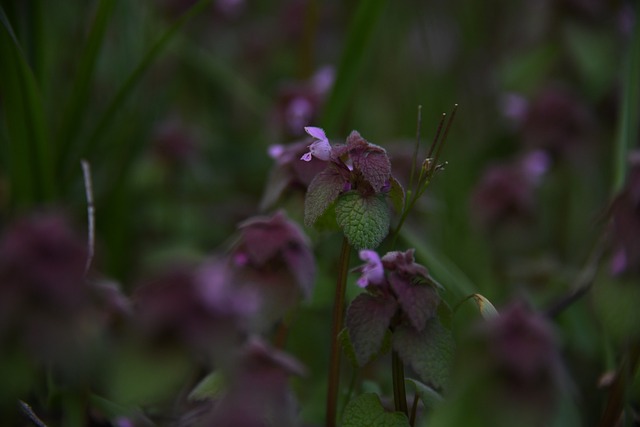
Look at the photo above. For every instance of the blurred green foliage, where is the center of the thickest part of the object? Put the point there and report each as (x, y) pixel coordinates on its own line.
(107, 80)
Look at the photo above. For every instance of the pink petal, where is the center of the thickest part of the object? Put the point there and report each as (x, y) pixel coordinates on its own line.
(306, 157)
(317, 133)
(321, 149)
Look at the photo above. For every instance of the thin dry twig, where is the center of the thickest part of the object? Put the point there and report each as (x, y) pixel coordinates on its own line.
(27, 411)
(86, 172)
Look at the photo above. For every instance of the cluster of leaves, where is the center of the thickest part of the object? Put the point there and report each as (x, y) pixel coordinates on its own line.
(402, 300)
(355, 187)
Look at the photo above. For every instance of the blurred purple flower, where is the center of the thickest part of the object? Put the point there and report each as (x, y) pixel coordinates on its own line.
(276, 246)
(299, 103)
(174, 143)
(42, 262)
(512, 369)
(191, 306)
(320, 148)
(372, 273)
(507, 191)
(514, 106)
(556, 121)
(258, 393)
(523, 347)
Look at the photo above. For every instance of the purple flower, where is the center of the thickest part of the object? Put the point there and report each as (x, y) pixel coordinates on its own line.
(372, 272)
(320, 148)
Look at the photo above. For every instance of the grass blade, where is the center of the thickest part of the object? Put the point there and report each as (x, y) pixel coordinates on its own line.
(29, 153)
(353, 57)
(91, 144)
(74, 111)
(630, 94)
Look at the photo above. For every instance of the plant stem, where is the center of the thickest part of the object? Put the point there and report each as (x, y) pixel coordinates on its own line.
(399, 392)
(414, 410)
(619, 389)
(338, 316)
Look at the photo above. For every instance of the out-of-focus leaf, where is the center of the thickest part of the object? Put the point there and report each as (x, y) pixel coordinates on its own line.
(367, 411)
(429, 352)
(428, 395)
(368, 318)
(396, 194)
(210, 387)
(364, 220)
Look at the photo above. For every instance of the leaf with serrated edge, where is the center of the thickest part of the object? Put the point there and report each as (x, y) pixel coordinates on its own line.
(366, 410)
(429, 353)
(364, 220)
(323, 190)
(419, 301)
(368, 318)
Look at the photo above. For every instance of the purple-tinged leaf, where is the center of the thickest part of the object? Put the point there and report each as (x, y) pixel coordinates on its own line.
(323, 190)
(302, 265)
(429, 352)
(396, 194)
(364, 220)
(404, 263)
(371, 160)
(419, 301)
(368, 318)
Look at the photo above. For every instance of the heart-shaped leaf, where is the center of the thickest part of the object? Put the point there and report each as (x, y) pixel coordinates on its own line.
(364, 220)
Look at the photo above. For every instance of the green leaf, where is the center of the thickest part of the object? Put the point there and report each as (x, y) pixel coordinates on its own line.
(30, 154)
(396, 195)
(347, 346)
(429, 352)
(364, 220)
(367, 411)
(323, 190)
(210, 387)
(428, 395)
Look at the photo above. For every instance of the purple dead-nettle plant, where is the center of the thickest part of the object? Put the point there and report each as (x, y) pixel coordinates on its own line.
(401, 299)
(273, 257)
(256, 392)
(356, 185)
